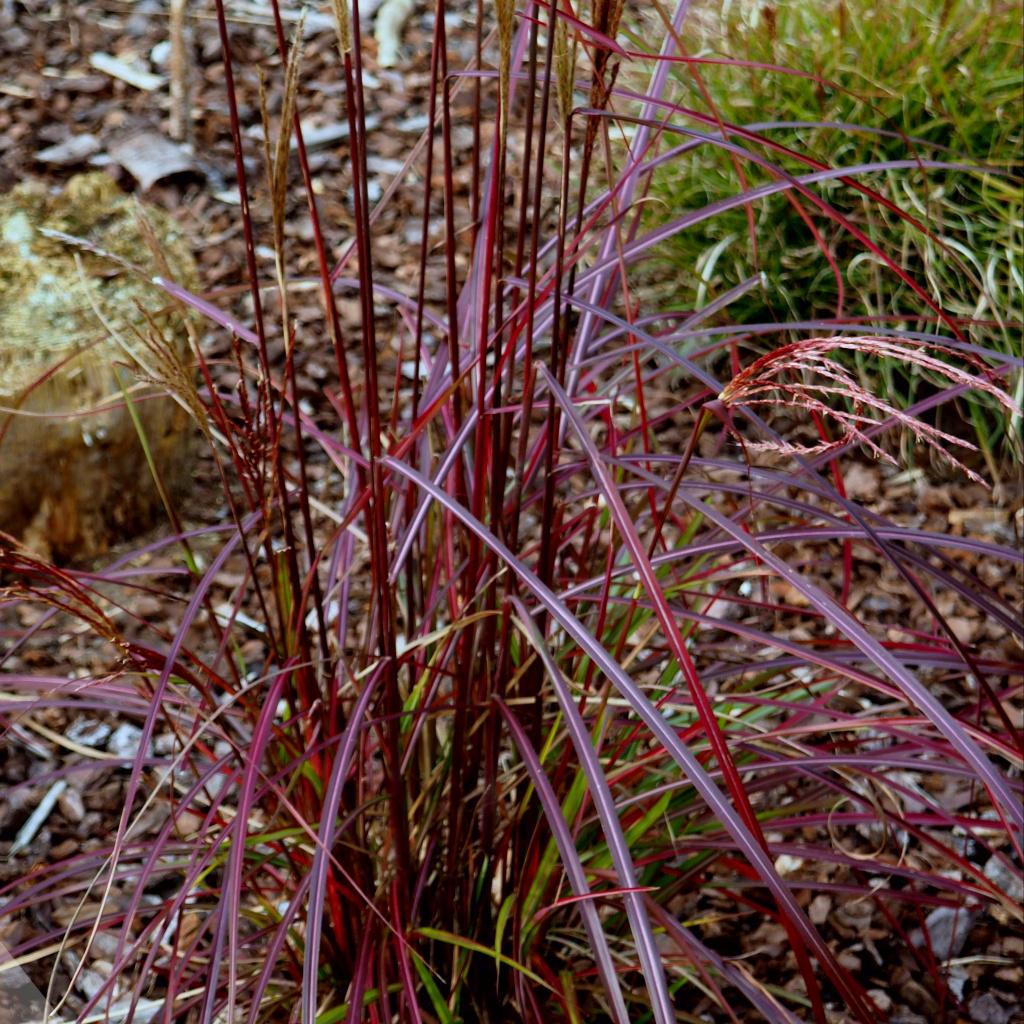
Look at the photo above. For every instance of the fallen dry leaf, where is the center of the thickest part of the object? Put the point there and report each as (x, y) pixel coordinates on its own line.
(149, 157)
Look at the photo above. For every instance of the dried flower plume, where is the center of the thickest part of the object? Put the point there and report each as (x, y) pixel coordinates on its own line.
(804, 375)
(565, 68)
(343, 26)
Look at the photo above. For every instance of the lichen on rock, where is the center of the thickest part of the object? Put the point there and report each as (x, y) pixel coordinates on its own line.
(75, 329)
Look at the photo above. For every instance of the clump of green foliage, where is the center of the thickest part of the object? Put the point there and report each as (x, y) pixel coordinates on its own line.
(853, 83)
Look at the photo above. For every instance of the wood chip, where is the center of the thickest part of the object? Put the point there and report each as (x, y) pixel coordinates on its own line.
(71, 805)
(116, 68)
(19, 92)
(72, 151)
(314, 21)
(75, 83)
(322, 135)
(387, 30)
(820, 908)
(35, 821)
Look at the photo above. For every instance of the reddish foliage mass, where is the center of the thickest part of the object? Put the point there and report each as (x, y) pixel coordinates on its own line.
(495, 669)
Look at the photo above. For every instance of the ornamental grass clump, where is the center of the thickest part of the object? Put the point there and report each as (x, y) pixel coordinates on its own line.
(510, 686)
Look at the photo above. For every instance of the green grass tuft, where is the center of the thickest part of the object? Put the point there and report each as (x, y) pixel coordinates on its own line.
(943, 79)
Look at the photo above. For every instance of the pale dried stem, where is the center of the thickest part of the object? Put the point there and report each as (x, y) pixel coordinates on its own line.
(821, 380)
(180, 119)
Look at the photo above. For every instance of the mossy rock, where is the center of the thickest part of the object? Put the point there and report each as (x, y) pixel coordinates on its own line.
(79, 331)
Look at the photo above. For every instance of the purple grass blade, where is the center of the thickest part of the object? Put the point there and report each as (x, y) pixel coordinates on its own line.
(599, 790)
(953, 730)
(650, 715)
(570, 859)
(770, 1009)
(232, 885)
(195, 606)
(321, 858)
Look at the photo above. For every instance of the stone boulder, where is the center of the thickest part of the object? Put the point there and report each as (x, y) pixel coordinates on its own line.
(84, 344)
